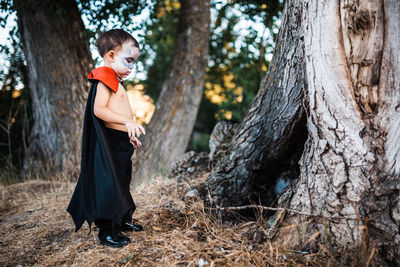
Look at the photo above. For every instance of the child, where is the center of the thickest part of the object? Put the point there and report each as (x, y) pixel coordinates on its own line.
(109, 139)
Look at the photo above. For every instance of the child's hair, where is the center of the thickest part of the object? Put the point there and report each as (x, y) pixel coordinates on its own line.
(113, 38)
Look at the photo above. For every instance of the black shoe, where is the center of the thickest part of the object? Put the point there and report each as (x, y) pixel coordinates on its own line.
(116, 240)
(129, 226)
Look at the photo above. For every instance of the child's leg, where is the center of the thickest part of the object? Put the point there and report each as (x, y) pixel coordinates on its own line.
(105, 227)
(122, 150)
(127, 217)
(110, 234)
(128, 225)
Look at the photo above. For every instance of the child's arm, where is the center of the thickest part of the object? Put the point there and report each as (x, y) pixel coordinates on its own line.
(103, 112)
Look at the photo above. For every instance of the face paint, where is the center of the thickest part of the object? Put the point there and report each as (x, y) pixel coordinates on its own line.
(125, 59)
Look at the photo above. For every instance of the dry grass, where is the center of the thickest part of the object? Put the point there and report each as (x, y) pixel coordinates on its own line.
(35, 229)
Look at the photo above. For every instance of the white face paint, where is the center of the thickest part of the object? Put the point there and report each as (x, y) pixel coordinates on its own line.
(124, 59)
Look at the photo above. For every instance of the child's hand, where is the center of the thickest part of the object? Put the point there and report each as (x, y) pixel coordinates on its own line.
(134, 129)
(135, 142)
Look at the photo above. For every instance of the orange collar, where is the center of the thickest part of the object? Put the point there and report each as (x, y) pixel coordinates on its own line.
(105, 75)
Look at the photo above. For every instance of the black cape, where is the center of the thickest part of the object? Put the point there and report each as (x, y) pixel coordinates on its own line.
(100, 191)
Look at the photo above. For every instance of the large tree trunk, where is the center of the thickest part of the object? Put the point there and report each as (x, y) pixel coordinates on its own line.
(169, 130)
(58, 59)
(351, 166)
(264, 151)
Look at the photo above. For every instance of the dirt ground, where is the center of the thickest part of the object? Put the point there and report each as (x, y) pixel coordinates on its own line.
(36, 230)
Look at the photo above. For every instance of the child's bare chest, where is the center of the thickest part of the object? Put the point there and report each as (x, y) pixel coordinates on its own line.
(119, 102)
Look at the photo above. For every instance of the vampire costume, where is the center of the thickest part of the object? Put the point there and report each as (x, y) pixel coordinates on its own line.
(102, 193)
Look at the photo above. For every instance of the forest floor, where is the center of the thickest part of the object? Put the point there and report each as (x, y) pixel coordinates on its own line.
(36, 230)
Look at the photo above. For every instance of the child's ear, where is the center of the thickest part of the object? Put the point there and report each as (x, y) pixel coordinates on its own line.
(110, 55)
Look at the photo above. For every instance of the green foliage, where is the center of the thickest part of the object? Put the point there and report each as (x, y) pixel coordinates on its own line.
(9, 174)
(200, 143)
(238, 61)
(6, 8)
(126, 259)
(159, 43)
(236, 66)
(267, 11)
(15, 110)
(105, 12)
(103, 15)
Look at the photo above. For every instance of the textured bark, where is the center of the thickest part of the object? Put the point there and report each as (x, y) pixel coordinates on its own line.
(350, 166)
(168, 133)
(267, 144)
(58, 60)
(220, 139)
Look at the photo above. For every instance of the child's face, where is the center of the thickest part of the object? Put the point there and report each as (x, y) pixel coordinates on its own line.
(124, 59)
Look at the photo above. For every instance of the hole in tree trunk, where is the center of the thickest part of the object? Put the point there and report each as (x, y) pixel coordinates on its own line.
(278, 172)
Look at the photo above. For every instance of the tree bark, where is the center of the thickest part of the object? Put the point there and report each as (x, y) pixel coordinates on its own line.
(58, 60)
(350, 166)
(263, 153)
(169, 130)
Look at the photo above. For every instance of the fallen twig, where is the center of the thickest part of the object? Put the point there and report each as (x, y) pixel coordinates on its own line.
(289, 210)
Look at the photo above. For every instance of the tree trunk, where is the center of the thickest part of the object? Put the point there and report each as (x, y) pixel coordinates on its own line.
(263, 153)
(169, 130)
(58, 60)
(351, 166)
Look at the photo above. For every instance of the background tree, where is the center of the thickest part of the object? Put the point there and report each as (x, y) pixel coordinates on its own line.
(58, 58)
(172, 123)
